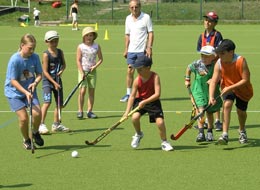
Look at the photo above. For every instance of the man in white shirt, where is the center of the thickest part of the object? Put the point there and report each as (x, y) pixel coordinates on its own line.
(36, 15)
(138, 40)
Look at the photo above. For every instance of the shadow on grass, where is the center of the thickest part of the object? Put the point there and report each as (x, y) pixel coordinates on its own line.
(252, 143)
(175, 99)
(65, 148)
(16, 185)
(247, 126)
(184, 148)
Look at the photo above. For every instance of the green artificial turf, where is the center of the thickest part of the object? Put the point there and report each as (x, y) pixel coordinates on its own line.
(112, 163)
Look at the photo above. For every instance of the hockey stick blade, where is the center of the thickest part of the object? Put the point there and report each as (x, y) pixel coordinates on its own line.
(106, 132)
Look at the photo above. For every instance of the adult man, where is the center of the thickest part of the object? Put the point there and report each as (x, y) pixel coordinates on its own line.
(36, 15)
(234, 74)
(138, 40)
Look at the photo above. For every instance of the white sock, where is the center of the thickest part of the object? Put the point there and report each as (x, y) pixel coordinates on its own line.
(128, 91)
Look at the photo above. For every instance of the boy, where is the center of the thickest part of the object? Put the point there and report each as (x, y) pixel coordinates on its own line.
(53, 63)
(234, 73)
(203, 70)
(146, 95)
(211, 37)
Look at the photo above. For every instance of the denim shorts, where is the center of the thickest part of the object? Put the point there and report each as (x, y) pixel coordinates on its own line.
(19, 103)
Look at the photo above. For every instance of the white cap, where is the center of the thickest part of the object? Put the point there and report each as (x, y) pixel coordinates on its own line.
(207, 50)
(50, 35)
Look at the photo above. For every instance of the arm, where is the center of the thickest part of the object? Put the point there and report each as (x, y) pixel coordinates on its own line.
(78, 60)
(187, 77)
(63, 67)
(213, 83)
(127, 41)
(100, 58)
(131, 97)
(149, 44)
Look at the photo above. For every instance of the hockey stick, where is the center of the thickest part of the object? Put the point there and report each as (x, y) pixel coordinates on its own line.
(195, 106)
(106, 132)
(189, 125)
(58, 105)
(73, 91)
(192, 121)
(30, 123)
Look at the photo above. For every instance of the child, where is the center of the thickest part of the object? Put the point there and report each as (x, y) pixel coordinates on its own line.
(146, 95)
(203, 70)
(24, 72)
(53, 66)
(211, 37)
(87, 53)
(36, 16)
(234, 73)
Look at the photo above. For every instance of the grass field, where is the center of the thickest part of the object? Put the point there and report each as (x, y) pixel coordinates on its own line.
(112, 164)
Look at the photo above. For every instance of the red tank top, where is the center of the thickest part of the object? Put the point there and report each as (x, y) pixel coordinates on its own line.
(208, 40)
(146, 89)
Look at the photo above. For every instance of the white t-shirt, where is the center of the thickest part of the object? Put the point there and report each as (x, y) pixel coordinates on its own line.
(88, 55)
(138, 31)
(36, 12)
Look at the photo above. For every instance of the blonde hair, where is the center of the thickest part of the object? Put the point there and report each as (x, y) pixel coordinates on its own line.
(27, 38)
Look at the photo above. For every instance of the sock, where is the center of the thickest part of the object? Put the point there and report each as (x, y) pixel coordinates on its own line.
(209, 130)
(128, 91)
(201, 130)
(225, 134)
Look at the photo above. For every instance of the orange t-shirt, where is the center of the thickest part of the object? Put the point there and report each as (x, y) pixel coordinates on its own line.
(232, 73)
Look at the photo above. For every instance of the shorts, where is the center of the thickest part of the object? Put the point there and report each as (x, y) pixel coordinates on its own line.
(74, 17)
(47, 94)
(154, 109)
(19, 103)
(90, 81)
(240, 104)
(131, 57)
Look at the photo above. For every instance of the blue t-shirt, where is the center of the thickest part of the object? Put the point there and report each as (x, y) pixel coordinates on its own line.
(23, 70)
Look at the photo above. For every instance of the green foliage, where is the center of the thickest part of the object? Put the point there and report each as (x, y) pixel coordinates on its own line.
(172, 12)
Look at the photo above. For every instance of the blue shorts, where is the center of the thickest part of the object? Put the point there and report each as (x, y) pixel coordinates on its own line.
(240, 104)
(19, 103)
(47, 94)
(131, 57)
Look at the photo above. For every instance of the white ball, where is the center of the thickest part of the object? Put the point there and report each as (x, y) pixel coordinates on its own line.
(74, 154)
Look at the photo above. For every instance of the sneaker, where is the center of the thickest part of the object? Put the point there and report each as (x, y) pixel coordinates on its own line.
(38, 139)
(201, 137)
(218, 126)
(80, 115)
(166, 146)
(43, 129)
(242, 137)
(59, 128)
(91, 115)
(136, 140)
(125, 98)
(223, 140)
(27, 144)
(209, 136)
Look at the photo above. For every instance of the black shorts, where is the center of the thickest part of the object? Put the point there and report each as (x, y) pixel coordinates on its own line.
(154, 109)
(240, 104)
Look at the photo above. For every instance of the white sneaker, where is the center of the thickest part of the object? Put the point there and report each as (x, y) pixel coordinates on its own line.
(136, 140)
(59, 128)
(166, 146)
(43, 129)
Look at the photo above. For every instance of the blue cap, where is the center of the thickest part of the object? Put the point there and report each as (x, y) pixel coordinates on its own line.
(142, 61)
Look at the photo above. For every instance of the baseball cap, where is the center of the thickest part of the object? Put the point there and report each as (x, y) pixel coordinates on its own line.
(142, 61)
(225, 45)
(88, 30)
(50, 35)
(212, 16)
(207, 50)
